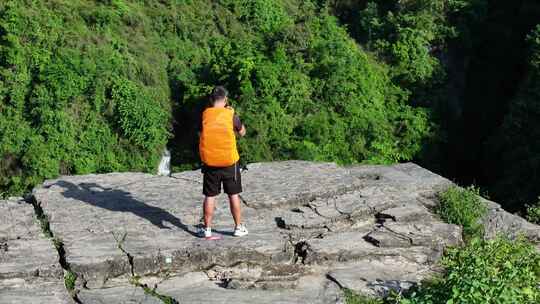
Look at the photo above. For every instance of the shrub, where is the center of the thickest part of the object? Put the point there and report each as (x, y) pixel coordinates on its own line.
(406, 34)
(140, 118)
(463, 207)
(533, 213)
(494, 271)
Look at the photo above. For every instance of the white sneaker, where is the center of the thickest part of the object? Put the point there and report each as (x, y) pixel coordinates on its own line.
(240, 230)
(206, 233)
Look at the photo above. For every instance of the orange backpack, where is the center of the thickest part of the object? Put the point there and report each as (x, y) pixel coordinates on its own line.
(217, 144)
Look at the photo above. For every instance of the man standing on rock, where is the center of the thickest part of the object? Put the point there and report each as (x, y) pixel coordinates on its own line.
(217, 148)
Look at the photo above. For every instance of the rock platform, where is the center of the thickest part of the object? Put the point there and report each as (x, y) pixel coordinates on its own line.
(314, 229)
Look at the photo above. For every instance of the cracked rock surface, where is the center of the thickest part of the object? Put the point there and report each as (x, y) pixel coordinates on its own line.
(314, 228)
(29, 269)
(33, 290)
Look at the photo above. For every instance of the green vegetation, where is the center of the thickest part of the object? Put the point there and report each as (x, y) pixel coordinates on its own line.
(422, 41)
(304, 89)
(69, 280)
(533, 213)
(99, 86)
(152, 292)
(482, 271)
(135, 280)
(43, 220)
(407, 34)
(81, 91)
(495, 271)
(352, 298)
(463, 207)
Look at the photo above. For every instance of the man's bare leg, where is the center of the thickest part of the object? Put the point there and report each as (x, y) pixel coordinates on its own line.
(236, 211)
(208, 209)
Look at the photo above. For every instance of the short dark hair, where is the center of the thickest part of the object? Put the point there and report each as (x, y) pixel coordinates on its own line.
(219, 92)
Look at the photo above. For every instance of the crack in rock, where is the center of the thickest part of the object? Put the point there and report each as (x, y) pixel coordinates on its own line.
(120, 242)
(135, 280)
(370, 239)
(70, 277)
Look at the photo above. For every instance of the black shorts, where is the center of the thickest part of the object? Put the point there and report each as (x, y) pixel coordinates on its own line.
(214, 176)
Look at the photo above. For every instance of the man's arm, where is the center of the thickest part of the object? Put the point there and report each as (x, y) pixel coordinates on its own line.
(239, 126)
(242, 131)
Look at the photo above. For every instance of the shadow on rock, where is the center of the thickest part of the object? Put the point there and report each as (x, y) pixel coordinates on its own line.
(121, 201)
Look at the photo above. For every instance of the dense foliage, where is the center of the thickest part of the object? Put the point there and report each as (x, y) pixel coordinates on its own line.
(82, 89)
(98, 86)
(409, 35)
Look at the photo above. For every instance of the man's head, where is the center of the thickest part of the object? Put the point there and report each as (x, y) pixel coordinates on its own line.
(219, 95)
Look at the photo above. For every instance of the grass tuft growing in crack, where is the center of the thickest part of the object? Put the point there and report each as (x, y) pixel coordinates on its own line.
(353, 298)
(69, 280)
(43, 222)
(70, 277)
(152, 292)
(135, 279)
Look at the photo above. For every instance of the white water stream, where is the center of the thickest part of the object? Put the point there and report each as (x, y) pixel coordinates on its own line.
(165, 163)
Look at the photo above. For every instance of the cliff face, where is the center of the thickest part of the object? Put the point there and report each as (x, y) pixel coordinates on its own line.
(314, 228)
